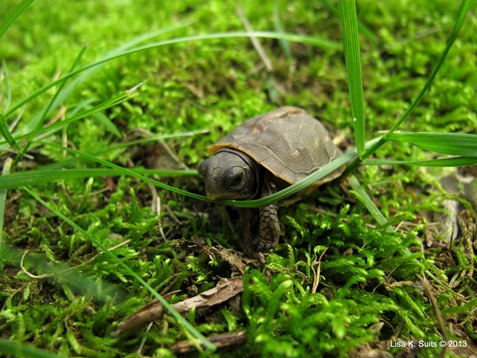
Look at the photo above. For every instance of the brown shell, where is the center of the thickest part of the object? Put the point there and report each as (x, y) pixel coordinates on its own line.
(287, 141)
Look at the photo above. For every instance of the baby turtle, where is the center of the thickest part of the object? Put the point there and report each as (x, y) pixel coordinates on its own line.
(261, 156)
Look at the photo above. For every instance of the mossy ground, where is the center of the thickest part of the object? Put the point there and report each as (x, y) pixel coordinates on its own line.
(369, 291)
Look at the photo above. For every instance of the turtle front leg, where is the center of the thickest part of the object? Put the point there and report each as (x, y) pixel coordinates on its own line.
(253, 241)
(269, 230)
(245, 224)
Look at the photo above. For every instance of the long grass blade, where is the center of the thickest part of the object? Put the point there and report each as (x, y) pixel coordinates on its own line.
(349, 25)
(40, 119)
(125, 171)
(461, 144)
(216, 36)
(3, 195)
(13, 15)
(295, 188)
(113, 257)
(440, 162)
(298, 186)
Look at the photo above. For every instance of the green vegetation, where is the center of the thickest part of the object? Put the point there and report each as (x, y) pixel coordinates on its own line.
(91, 90)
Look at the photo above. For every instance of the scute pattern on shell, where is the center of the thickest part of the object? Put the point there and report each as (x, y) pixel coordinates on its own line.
(287, 142)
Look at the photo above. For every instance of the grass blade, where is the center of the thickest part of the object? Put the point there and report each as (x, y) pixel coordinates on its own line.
(302, 184)
(38, 121)
(7, 135)
(3, 195)
(298, 186)
(113, 257)
(226, 35)
(441, 162)
(349, 24)
(13, 15)
(364, 198)
(125, 171)
(461, 144)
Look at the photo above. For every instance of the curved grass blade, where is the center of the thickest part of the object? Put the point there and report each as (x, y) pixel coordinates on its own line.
(465, 7)
(226, 35)
(125, 171)
(441, 162)
(302, 184)
(38, 177)
(13, 15)
(349, 25)
(113, 257)
(461, 144)
(347, 157)
(298, 186)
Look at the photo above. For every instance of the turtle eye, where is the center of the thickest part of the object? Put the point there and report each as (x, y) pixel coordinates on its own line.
(235, 178)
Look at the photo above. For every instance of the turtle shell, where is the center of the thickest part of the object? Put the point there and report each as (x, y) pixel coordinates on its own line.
(287, 142)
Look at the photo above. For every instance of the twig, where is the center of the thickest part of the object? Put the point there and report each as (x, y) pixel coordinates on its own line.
(26, 272)
(220, 341)
(255, 42)
(440, 320)
(156, 207)
(316, 274)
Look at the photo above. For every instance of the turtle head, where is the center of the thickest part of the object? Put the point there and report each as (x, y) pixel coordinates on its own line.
(230, 174)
